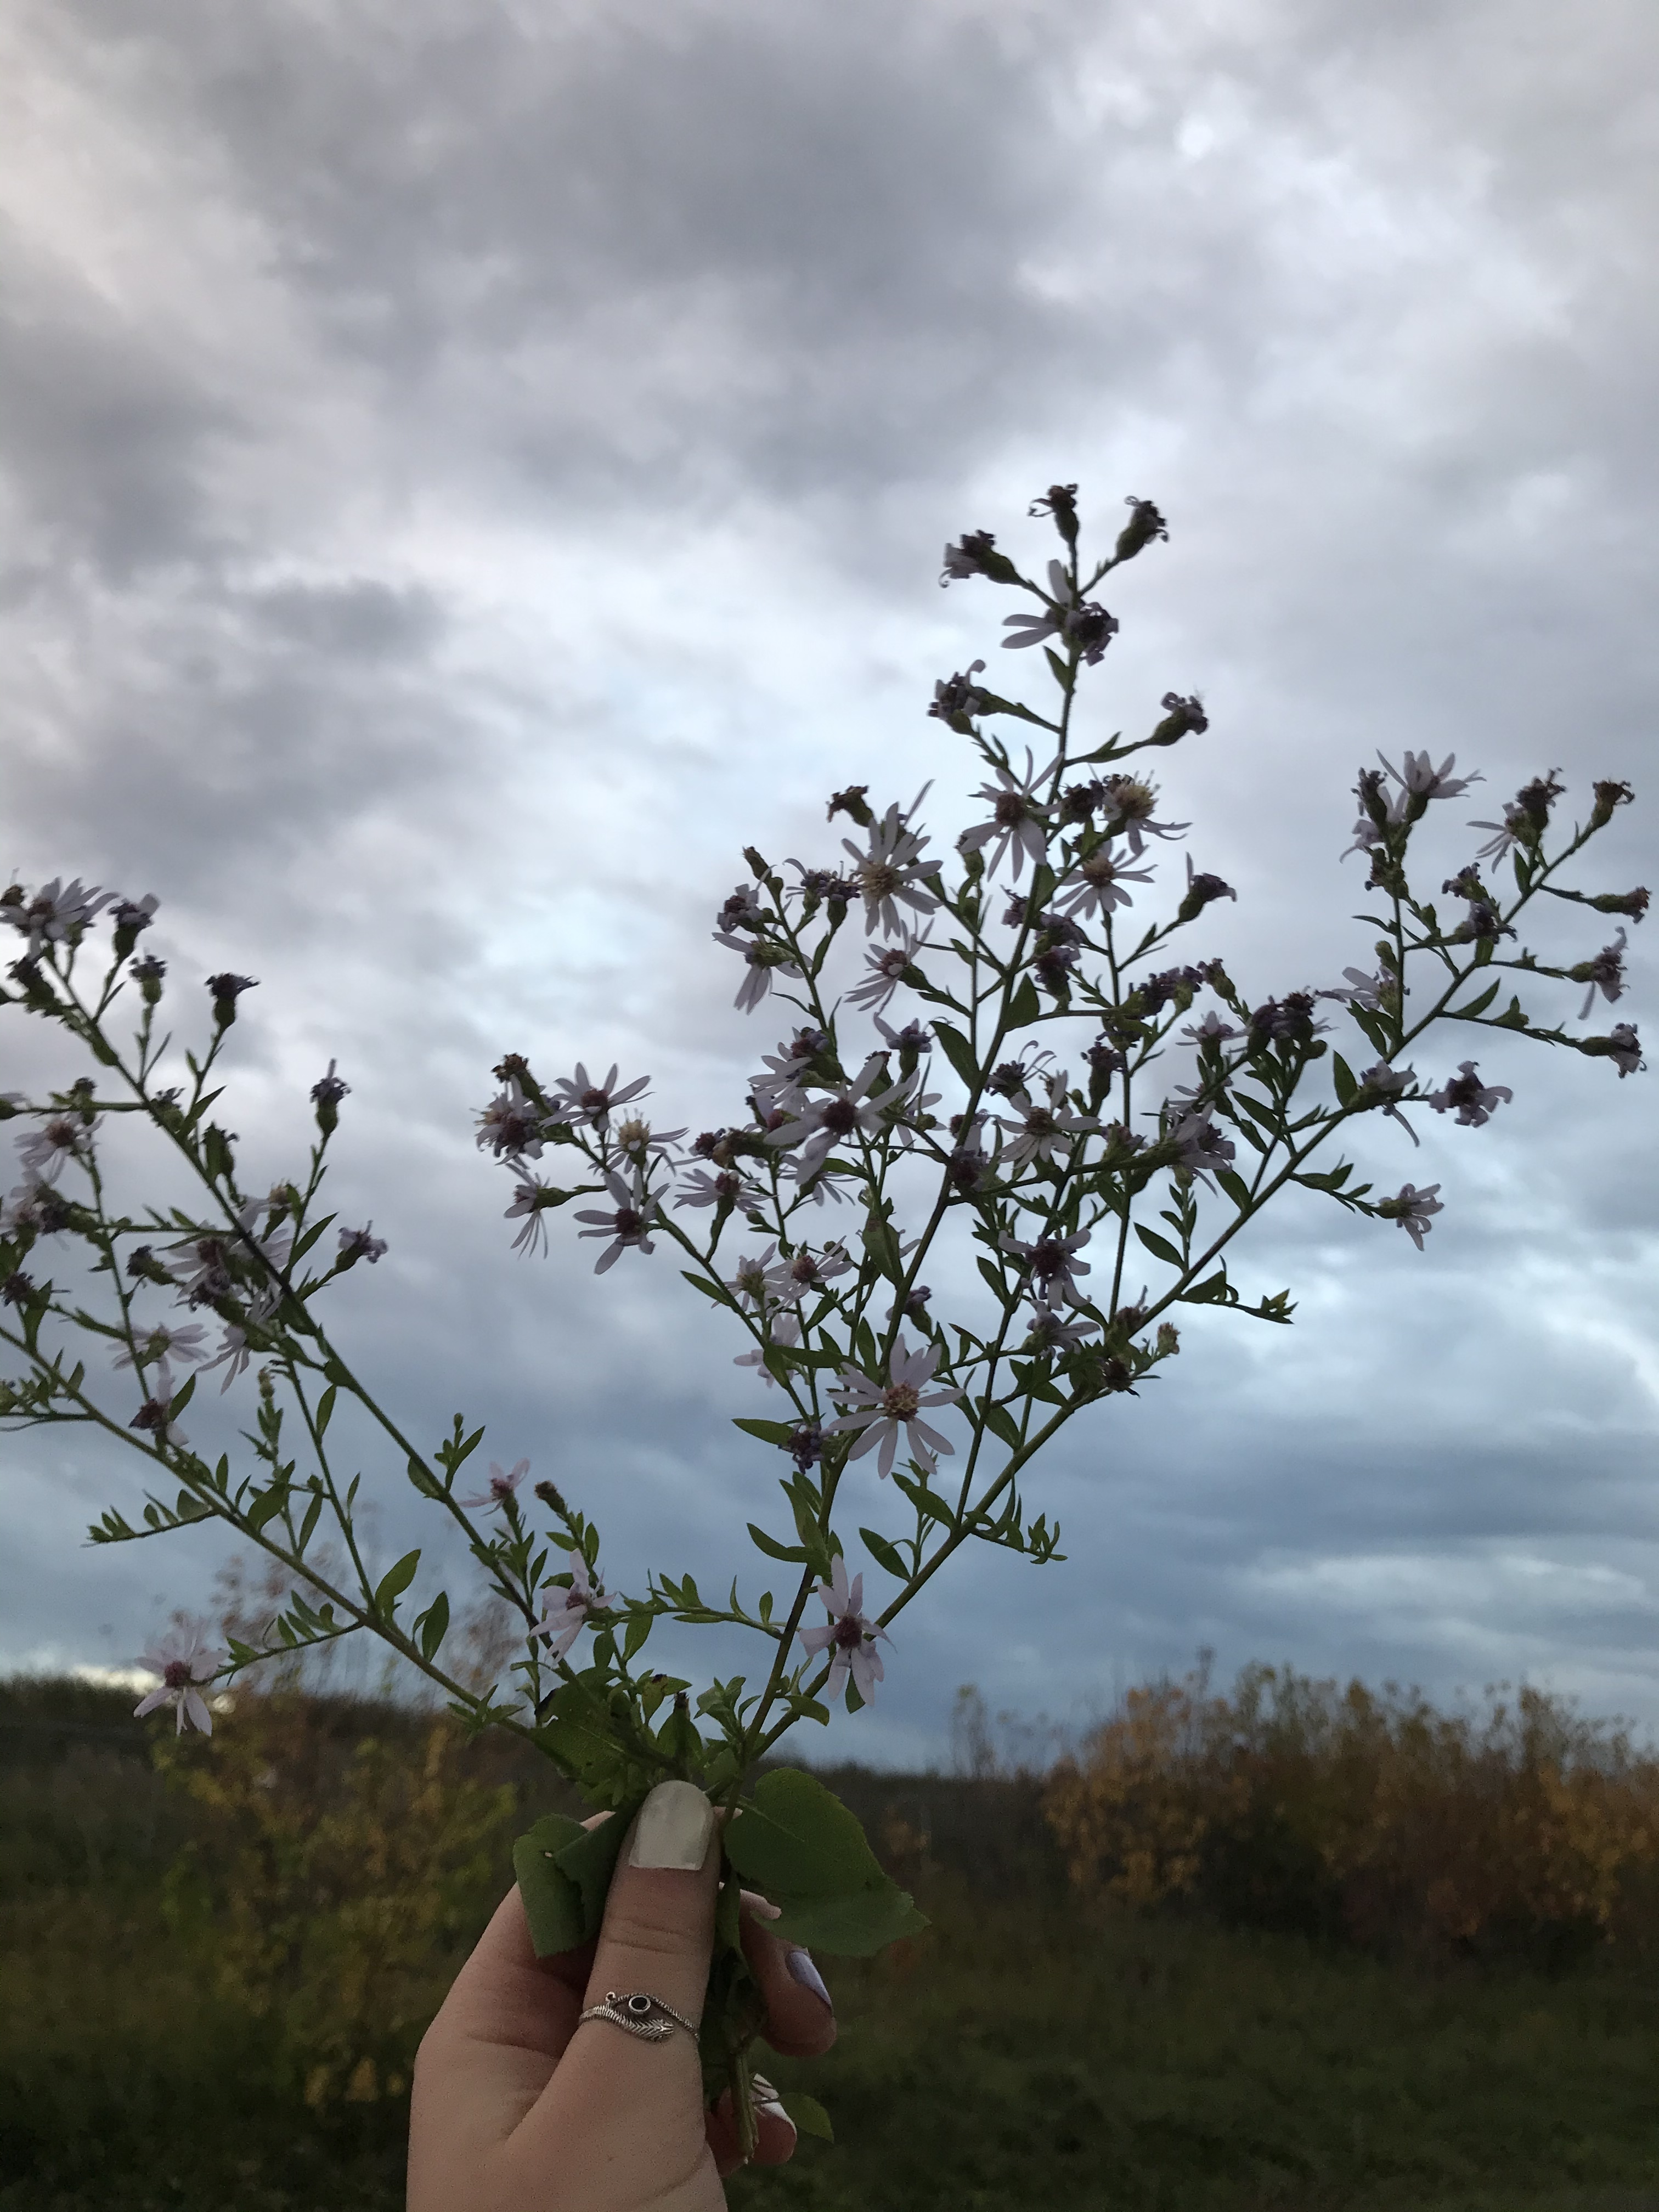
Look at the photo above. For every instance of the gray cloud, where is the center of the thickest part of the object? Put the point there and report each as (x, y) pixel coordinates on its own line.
(471, 469)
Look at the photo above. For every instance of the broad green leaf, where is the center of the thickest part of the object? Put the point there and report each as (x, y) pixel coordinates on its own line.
(958, 1052)
(808, 2115)
(552, 1901)
(800, 1843)
(1159, 1247)
(999, 1422)
(433, 1625)
(395, 1581)
(325, 1409)
(722, 1297)
(792, 1554)
(770, 1432)
(1024, 1008)
(885, 1554)
(851, 1927)
(1343, 1076)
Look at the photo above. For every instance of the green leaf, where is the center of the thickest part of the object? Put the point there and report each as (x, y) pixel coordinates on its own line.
(885, 1554)
(958, 1052)
(1159, 1247)
(1024, 1008)
(433, 1625)
(1234, 1185)
(792, 1554)
(325, 1409)
(799, 1843)
(720, 1295)
(552, 1899)
(1343, 1076)
(395, 1581)
(808, 2115)
(770, 1432)
(998, 1288)
(999, 1422)
(266, 1506)
(1478, 1006)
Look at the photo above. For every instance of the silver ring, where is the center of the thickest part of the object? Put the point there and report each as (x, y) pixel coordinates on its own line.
(646, 2016)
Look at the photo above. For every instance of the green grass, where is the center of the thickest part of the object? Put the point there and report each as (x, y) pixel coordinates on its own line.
(1025, 2053)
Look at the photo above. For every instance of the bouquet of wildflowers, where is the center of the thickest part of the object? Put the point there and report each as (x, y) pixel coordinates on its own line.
(974, 1084)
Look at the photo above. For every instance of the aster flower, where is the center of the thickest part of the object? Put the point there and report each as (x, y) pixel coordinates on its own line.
(1050, 1332)
(1128, 806)
(1622, 1047)
(848, 1635)
(638, 1142)
(531, 1196)
(235, 1349)
(182, 1667)
(1017, 819)
(360, 1245)
(848, 1109)
(161, 1343)
(956, 697)
(779, 1328)
(780, 1084)
(566, 1608)
(1359, 989)
(1098, 884)
(1383, 1082)
(885, 1410)
(1201, 1143)
(1052, 1265)
(226, 988)
(629, 1226)
(1515, 828)
(762, 960)
(131, 917)
(61, 1137)
(1043, 1132)
(886, 971)
(58, 911)
(511, 1125)
(502, 1484)
(1181, 717)
(755, 1282)
(743, 910)
(202, 1269)
(154, 1416)
(891, 870)
(1605, 974)
(1418, 778)
(1412, 1209)
(33, 1208)
(805, 1273)
(1202, 890)
(585, 1100)
(726, 1187)
(1474, 1102)
(969, 558)
(1211, 1031)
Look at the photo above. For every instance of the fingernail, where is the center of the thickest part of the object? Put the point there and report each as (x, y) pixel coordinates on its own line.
(675, 1824)
(762, 1908)
(767, 2100)
(801, 1965)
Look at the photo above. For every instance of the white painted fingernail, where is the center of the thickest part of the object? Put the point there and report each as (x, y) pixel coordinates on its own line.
(675, 1824)
(799, 1963)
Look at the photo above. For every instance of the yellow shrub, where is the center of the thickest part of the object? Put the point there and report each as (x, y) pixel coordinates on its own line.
(332, 1881)
(1368, 1813)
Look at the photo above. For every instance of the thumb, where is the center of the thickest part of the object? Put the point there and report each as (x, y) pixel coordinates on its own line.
(643, 2100)
(658, 1935)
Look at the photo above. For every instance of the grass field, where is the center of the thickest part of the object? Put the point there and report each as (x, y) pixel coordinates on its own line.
(1029, 2051)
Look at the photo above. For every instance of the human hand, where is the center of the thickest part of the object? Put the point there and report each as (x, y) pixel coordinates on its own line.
(517, 2107)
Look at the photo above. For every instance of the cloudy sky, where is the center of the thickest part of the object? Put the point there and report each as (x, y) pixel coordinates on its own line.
(468, 466)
